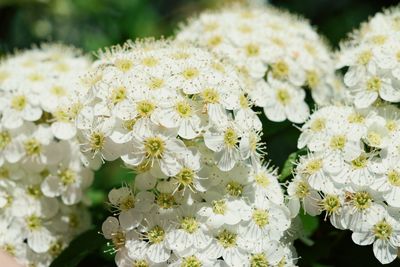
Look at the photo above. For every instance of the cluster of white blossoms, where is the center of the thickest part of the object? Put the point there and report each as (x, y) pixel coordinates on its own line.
(282, 54)
(181, 119)
(372, 59)
(352, 173)
(42, 179)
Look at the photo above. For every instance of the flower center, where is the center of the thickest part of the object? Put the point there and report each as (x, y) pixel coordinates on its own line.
(226, 239)
(312, 79)
(145, 108)
(314, 166)
(118, 239)
(189, 225)
(214, 41)
(318, 125)
(154, 147)
(356, 118)
(394, 178)
(33, 222)
(210, 96)
(234, 189)
(140, 263)
(362, 200)
(262, 180)
(252, 50)
(32, 147)
(5, 139)
(58, 91)
(374, 84)
(331, 204)
(19, 102)
(230, 137)
(190, 73)
(155, 83)
(283, 96)
(219, 206)
(360, 162)
(383, 230)
(338, 142)
(123, 65)
(97, 140)
(259, 260)
(165, 200)
(34, 191)
(156, 235)
(364, 57)
(260, 217)
(183, 109)
(150, 61)
(302, 190)
(67, 177)
(374, 138)
(280, 70)
(118, 95)
(191, 261)
(185, 177)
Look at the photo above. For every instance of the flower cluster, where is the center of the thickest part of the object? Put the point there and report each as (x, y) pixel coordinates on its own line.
(372, 60)
(352, 174)
(282, 54)
(181, 119)
(42, 179)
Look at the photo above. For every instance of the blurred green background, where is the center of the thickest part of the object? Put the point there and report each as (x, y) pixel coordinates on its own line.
(93, 24)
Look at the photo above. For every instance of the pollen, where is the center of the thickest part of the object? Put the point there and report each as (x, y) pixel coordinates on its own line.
(283, 96)
(67, 176)
(318, 125)
(118, 240)
(150, 61)
(145, 108)
(313, 166)
(219, 206)
(302, 189)
(227, 239)
(33, 222)
(280, 70)
(19, 102)
(374, 84)
(234, 189)
(362, 200)
(156, 235)
(374, 138)
(230, 137)
(252, 50)
(382, 230)
(34, 191)
(360, 162)
(312, 79)
(32, 147)
(156, 83)
(123, 65)
(118, 94)
(356, 118)
(190, 73)
(214, 41)
(185, 177)
(154, 147)
(394, 178)
(259, 260)
(189, 225)
(183, 109)
(338, 142)
(331, 204)
(140, 263)
(5, 139)
(260, 217)
(262, 180)
(210, 96)
(191, 261)
(97, 140)
(165, 200)
(364, 57)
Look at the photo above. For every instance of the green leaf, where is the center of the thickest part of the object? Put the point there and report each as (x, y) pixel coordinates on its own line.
(79, 248)
(289, 164)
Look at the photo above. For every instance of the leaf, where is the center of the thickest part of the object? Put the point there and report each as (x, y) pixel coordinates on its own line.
(79, 248)
(288, 166)
(310, 224)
